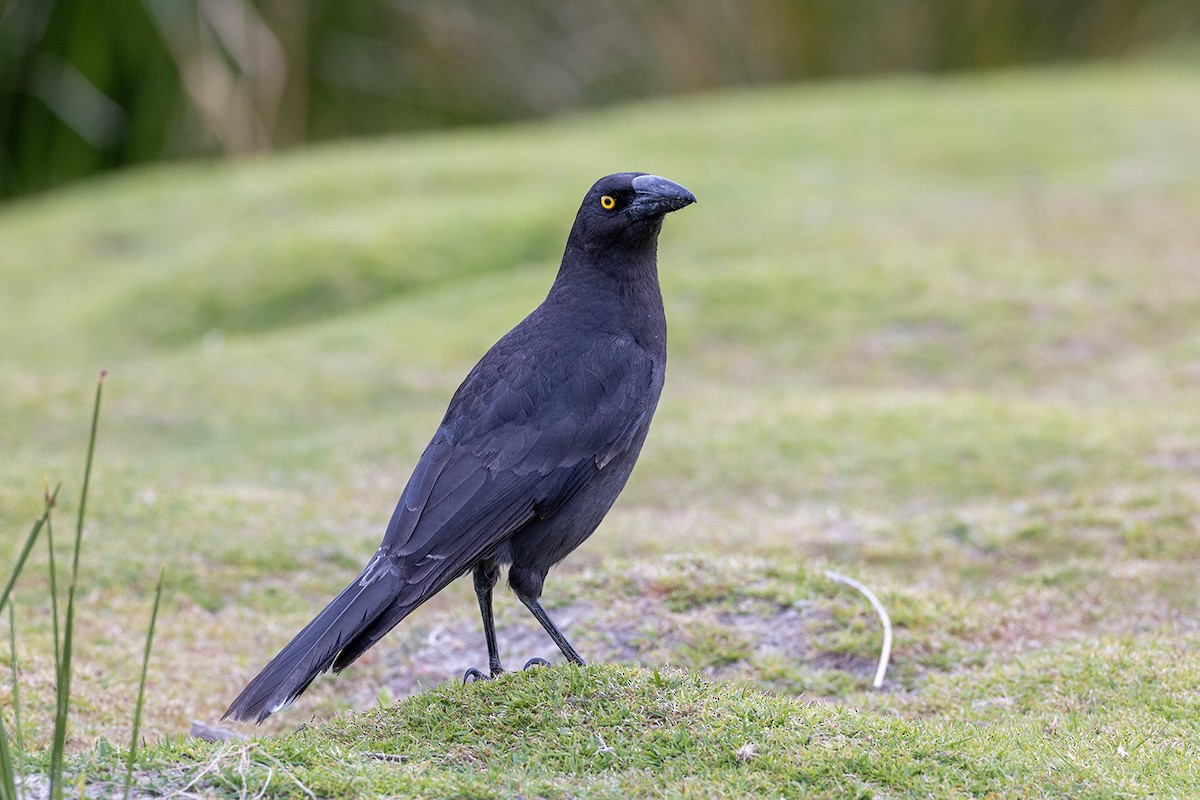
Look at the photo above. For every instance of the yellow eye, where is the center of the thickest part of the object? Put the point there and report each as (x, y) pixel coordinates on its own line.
(608, 202)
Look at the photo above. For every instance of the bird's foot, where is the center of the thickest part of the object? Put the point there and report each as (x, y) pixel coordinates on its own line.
(473, 675)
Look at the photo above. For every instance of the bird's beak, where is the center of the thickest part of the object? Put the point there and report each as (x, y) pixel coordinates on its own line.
(654, 196)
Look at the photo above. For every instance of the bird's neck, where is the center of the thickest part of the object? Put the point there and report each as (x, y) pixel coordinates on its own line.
(614, 289)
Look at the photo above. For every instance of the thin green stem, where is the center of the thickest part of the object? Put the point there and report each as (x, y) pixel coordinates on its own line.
(18, 736)
(87, 473)
(137, 711)
(62, 707)
(52, 567)
(8, 774)
(33, 534)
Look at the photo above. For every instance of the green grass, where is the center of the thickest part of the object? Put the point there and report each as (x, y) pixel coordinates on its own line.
(613, 731)
(937, 335)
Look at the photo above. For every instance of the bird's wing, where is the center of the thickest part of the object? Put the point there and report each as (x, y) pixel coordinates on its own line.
(522, 436)
(527, 430)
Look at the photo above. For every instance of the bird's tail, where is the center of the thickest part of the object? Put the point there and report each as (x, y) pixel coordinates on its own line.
(314, 649)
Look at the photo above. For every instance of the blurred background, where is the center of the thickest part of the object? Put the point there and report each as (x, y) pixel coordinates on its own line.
(93, 85)
(939, 333)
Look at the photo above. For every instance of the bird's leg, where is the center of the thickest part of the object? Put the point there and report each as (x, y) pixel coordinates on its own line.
(540, 614)
(485, 576)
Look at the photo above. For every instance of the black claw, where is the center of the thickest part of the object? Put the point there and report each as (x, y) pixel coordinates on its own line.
(472, 675)
(536, 662)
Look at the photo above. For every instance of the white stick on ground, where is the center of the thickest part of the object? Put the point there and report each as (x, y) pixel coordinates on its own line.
(885, 652)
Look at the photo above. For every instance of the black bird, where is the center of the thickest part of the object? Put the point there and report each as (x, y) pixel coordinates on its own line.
(536, 445)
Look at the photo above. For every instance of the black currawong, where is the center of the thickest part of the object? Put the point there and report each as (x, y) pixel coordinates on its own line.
(536, 445)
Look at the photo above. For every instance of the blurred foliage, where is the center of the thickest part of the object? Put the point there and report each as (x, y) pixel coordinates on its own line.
(88, 85)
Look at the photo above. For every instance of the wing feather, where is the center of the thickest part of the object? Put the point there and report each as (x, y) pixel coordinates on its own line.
(513, 447)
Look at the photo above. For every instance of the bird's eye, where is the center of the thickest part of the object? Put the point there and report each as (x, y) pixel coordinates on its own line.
(608, 202)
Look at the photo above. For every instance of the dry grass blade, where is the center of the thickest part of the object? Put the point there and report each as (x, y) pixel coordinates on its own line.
(885, 652)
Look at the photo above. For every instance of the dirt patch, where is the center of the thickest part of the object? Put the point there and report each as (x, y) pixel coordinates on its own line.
(720, 644)
(663, 617)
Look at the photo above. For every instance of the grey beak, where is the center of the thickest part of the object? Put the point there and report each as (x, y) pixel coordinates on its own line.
(655, 196)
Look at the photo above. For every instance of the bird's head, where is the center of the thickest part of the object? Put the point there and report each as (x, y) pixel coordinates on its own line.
(627, 209)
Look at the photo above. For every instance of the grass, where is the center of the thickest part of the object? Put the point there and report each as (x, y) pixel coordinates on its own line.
(615, 731)
(936, 335)
(14, 777)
